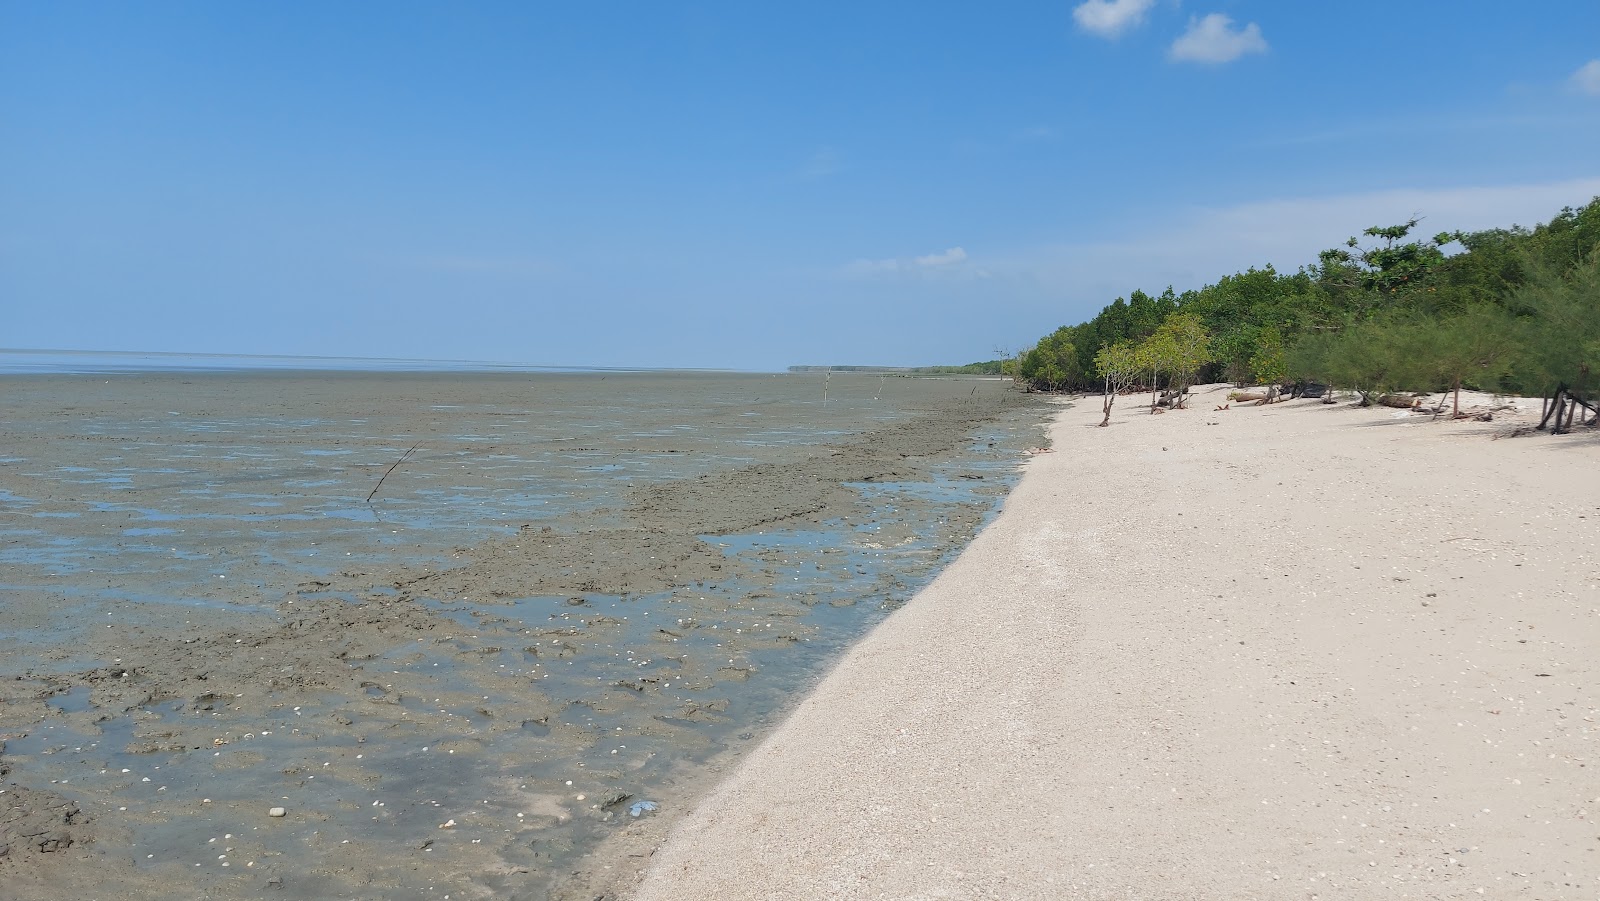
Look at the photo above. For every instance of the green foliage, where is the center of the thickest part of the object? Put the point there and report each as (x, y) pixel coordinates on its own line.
(1269, 363)
(1514, 308)
(1187, 346)
(1370, 356)
(1391, 265)
(987, 367)
(1473, 349)
(1117, 363)
(1561, 325)
(1152, 355)
(1052, 364)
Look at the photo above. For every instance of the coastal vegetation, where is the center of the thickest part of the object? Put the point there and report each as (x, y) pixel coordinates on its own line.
(1509, 310)
(986, 367)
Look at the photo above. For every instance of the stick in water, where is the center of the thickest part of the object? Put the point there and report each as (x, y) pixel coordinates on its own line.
(391, 469)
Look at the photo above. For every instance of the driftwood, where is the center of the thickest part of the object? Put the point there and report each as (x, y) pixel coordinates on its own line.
(1400, 402)
(403, 458)
(1173, 399)
(1563, 406)
(1240, 397)
(1482, 415)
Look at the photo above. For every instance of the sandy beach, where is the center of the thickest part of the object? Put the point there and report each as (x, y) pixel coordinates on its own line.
(1298, 651)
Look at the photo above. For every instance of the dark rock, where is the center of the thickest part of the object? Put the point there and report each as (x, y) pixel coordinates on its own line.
(53, 841)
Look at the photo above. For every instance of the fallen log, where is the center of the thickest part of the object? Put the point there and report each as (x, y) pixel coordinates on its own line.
(1399, 402)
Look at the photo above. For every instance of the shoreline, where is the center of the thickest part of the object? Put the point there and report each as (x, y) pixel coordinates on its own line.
(250, 649)
(1295, 651)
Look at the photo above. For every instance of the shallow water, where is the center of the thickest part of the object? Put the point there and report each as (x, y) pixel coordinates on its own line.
(138, 508)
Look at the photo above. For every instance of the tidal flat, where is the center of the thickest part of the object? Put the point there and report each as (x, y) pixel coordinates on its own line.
(568, 599)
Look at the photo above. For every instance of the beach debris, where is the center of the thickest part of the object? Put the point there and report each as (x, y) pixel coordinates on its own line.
(448, 824)
(612, 799)
(640, 808)
(277, 812)
(391, 468)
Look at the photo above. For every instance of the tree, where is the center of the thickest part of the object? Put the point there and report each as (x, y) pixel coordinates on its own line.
(1154, 355)
(1373, 357)
(1269, 365)
(1179, 348)
(1384, 311)
(1562, 325)
(1391, 264)
(1473, 346)
(1052, 364)
(1117, 364)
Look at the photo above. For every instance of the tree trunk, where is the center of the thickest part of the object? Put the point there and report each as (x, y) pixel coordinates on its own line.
(1455, 409)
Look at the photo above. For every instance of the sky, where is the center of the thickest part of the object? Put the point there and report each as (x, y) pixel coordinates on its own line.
(739, 185)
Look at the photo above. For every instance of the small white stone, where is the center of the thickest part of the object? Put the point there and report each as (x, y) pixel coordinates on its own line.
(277, 812)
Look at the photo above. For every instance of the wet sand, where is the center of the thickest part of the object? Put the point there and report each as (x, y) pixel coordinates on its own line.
(473, 718)
(1300, 651)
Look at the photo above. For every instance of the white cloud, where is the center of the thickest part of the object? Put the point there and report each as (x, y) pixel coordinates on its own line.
(1110, 18)
(1213, 39)
(1587, 79)
(944, 261)
(1199, 246)
(942, 258)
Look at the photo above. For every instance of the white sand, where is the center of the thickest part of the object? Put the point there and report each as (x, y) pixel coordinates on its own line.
(1300, 651)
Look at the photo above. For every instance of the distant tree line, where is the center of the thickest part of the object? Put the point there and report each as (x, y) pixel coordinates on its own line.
(987, 367)
(1512, 310)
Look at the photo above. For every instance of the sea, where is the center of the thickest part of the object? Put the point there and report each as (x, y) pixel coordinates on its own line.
(149, 501)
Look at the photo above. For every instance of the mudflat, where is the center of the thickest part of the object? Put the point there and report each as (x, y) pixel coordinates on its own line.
(575, 594)
(1296, 651)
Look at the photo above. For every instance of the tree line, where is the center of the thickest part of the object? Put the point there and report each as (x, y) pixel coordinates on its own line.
(1510, 309)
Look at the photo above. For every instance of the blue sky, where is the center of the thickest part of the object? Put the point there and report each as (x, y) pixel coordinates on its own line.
(738, 185)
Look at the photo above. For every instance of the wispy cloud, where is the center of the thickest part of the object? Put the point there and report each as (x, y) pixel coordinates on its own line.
(1203, 244)
(1433, 125)
(465, 264)
(943, 258)
(1110, 18)
(823, 163)
(944, 262)
(1587, 79)
(1214, 39)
